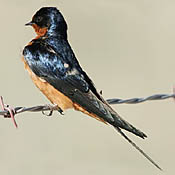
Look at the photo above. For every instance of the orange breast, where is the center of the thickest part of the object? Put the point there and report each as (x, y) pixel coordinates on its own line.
(49, 91)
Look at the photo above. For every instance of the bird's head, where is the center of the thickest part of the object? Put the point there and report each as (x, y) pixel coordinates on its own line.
(49, 20)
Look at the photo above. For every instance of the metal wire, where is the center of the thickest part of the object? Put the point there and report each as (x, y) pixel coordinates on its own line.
(140, 100)
(42, 108)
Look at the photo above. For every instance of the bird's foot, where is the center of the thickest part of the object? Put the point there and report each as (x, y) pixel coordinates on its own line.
(53, 108)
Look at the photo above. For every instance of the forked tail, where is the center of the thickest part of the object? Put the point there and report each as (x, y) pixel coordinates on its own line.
(123, 124)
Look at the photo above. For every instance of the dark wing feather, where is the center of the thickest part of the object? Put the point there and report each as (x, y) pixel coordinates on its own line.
(64, 51)
(48, 63)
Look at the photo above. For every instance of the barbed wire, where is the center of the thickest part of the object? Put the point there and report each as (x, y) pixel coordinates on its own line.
(42, 108)
(9, 112)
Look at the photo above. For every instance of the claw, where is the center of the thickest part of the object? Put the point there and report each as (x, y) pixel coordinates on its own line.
(50, 113)
(52, 108)
(60, 111)
(11, 111)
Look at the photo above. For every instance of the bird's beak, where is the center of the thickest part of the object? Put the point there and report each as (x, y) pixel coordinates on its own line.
(29, 23)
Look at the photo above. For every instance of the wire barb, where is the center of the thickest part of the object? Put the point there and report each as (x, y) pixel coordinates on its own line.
(10, 112)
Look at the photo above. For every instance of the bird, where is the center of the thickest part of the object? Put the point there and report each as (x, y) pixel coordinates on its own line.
(55, 70)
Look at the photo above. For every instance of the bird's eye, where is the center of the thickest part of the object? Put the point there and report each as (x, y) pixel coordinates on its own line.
(39, 19)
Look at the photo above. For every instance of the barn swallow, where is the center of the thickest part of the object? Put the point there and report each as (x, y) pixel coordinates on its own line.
(54, 69)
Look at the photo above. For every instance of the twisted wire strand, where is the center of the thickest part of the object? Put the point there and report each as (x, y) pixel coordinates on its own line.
(140, 100)
(42, 108)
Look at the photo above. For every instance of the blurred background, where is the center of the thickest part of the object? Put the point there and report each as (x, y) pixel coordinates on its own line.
(127, 48)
